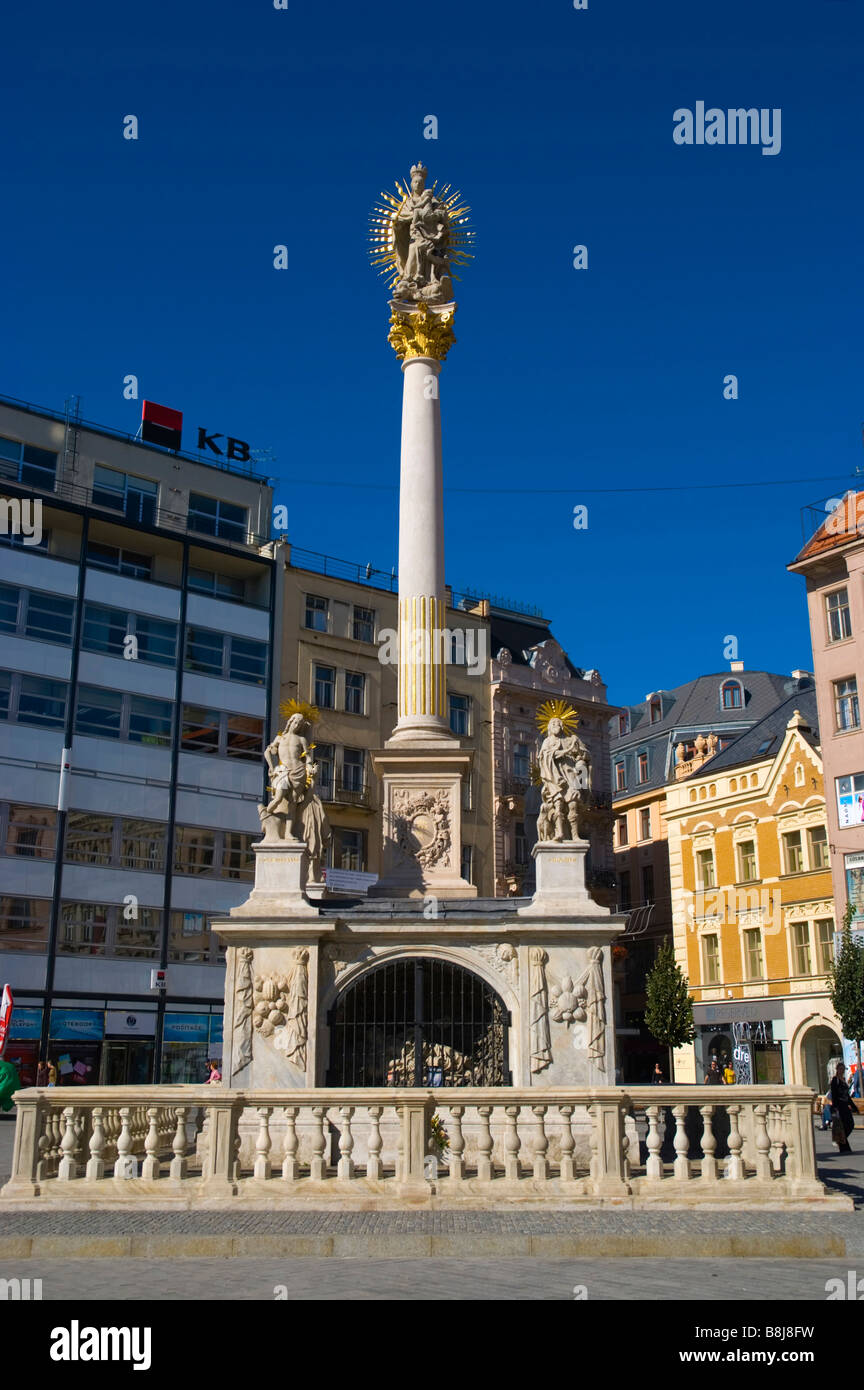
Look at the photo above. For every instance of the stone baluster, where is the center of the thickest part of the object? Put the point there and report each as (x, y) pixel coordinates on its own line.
(68, 1168)
(568, 1144)
(654, 1144)
(777, 1133)
(179, 1163)
(345, 1170)
(734, 1163)
(456, 1167)
(125, 1166)
(96, 1163)
(151, 1166)
(317, 1172)
(263, 1167)
(374, 1169)
(55, 1130)
(681, 1166)
(541, 1145)
(708, 1170)
(290, 1166)
(607, 1160)
(763, 1145)
(484, 1145)
(512, 1143)
(625, 1155)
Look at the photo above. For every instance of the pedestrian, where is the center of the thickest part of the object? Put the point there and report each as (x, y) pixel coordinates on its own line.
(215, 1074)
(826, 1112)
(729, 1074)
(842, 1108)
(657, 1078)
(855, 1081)
(714, 1076)
(42, 1074)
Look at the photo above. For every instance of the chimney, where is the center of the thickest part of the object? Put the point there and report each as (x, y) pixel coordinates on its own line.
(736, 665)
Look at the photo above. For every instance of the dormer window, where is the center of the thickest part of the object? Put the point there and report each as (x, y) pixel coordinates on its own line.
(623, 724)
(656, 709)
(732, 695)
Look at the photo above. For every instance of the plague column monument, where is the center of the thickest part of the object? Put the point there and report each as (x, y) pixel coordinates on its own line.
(421, 984)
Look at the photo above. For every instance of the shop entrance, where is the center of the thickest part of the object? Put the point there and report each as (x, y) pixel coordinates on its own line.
(821, 1048)
(126, 1063)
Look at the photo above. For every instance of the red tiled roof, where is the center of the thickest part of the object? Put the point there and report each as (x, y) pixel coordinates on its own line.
(838, 529)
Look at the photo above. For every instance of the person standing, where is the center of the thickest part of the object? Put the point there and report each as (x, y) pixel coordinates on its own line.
(842, 1107)
(729, 1074)
(714, 1076)
(215, 1074)
(657, 1076)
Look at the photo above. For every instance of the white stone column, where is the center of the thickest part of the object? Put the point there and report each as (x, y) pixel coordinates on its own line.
(422, 603)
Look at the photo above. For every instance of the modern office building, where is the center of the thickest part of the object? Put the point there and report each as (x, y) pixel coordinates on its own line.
(138, 612)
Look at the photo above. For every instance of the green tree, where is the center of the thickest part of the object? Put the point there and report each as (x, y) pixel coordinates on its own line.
(669, 1007)
(846, 984)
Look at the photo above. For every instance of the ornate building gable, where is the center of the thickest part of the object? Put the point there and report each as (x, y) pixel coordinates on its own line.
(796, 774)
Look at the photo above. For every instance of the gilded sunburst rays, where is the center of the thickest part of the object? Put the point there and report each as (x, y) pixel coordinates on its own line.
(309, 712)
(557, 709)
(382, 237)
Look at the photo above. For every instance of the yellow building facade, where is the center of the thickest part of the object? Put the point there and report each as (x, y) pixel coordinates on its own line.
(752, 906)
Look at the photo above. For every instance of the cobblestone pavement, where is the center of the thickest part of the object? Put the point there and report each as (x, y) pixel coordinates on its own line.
(432, 1279)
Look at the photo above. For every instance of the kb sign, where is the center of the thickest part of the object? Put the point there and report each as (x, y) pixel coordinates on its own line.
(236, 449)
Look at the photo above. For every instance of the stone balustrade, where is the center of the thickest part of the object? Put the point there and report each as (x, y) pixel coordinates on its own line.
(667, 1144)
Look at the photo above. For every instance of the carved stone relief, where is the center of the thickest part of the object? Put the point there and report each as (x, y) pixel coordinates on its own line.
(281, 1008)
(421, 826)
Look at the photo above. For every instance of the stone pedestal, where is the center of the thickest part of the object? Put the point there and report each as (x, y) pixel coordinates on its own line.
(560, 878)
(281, 878)
(422, 820)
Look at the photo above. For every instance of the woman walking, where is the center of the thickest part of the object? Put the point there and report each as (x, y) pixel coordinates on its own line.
(842, 1106)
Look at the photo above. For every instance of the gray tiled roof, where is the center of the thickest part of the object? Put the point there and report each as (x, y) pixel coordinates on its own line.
(691, 709)
(746, 748)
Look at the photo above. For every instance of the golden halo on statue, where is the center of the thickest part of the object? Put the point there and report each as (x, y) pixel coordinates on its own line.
(383, 251)
(557, 709)
(309, 712)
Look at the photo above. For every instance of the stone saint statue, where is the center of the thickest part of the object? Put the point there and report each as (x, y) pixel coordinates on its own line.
(565, 775)
(422, 245)
(294, 812)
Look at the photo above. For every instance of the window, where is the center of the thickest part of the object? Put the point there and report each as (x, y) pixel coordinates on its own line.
(647, 883)
(824, 943)
(89, 838)
(705, 868)
(213, 517)
(850, 799)
(226, 735)
(120, 561)
(347, 849)
(364, 624)
(731, 695)
(643, 767)
(204, 651)
(753, 966)
(621, 823)
(623, 724)
(466, 865)
(746, 861)
(801, 948)
(624, 890)
(317, 613)
(102, 929)
(134, 497)
(31, 831)
(711, 959)
(28, 613)
(324, 694)
(231, 658)
(817, 845)
(837, 615)
(353, 769)
(24, 463)
(18, 539)
(106, 629)
(219, 585)
(460, 714)
(247, 660)
(793, 855)
(83, 929)
(522, 761)
(238, 861)
(846, 713)
(620, 781)
(194, 850)
(520, 843)
(190, 939)
(33, 700)
(24, 923)
(468, 791)
(355, 692)
(133, 718)
(645, 823)
(656, 710)
(142, 845)
(325, 761)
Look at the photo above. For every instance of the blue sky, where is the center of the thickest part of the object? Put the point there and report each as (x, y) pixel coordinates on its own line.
(259, 127)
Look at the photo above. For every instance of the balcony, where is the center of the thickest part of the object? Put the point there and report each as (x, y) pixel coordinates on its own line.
(350, 793)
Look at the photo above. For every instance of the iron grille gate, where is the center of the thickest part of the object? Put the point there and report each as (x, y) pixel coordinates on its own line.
(419, 1022)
